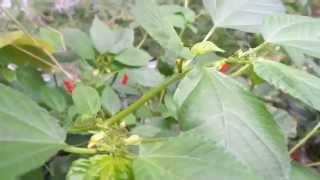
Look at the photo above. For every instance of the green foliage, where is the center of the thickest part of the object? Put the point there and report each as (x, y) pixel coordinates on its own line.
(101, 167)
(133, 57)
(143, 93)
(216, 107)
(29, 136)
(53, 98)
(110, 100)
(86, 100)
(243, 15)
(107, 40)
(294, 31)
(172, 159)
(300, 172)
(297, 83)
(79, 43)
(148, 15)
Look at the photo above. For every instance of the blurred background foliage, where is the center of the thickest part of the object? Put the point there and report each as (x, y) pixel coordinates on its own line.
(293, 116)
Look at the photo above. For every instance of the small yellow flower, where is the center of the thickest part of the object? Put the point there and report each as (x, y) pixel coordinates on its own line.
(96, 139)
(133, 140)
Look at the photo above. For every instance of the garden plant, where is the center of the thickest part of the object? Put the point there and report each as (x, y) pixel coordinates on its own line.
(167, 90)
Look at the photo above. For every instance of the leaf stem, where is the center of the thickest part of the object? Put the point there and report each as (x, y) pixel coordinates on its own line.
(146, 97)
(78, 150)
(305, 139)
(210, 33)
(241, 71)
(254, 50)
(313, 164)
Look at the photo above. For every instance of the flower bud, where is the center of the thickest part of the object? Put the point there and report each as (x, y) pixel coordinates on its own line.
(96, 139)
(133, 140)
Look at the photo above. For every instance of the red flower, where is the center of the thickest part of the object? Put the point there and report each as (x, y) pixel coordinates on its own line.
(296, 155)
(223, 68)
(125, 79)
(68, 85)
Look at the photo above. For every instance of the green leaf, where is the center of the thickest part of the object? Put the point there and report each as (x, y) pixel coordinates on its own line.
(148, 15)
(9, 38)
(101, 167)
(294, 31)
(79, 43)
(205, 47)
(29, 136)
(244, 15)
(298, 172)
(188, 157)
(177, 16)
(297, 83)
(86, 99)
(30, 81)
(110, 100)
(286, 122)
(133, 57)
(54, 38)
(216, 106)
(53, 98)
(173, 9)
(108, 40)
(24, 51)
(145, 77)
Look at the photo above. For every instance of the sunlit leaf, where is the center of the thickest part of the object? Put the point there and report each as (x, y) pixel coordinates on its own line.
(101, 167)
(244, 15)
(299, 32)
(216, 106)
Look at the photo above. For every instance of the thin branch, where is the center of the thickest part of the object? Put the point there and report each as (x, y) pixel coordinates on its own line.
(305, 139)
(210, 33)
(146, 97)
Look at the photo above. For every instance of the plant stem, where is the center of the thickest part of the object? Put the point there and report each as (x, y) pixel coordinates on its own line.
(78, 150)
(305, 139)
(186, 3)
(254, 50)
(144, 38)
(313, 164)
(146, 97)
(210, 33)
(241, 70)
